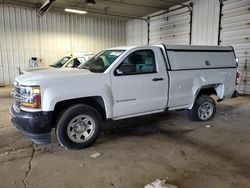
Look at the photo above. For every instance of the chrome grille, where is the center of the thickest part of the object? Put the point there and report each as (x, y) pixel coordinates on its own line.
(16, 96)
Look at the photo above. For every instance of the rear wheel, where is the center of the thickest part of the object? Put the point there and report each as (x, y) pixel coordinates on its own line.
(204, 109)
(78, 126)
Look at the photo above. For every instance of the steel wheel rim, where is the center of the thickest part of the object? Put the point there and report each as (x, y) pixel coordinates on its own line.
(81, 128)
(205, 111)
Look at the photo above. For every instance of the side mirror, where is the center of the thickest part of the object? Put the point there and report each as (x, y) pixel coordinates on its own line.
(125, 69)
(118, 72)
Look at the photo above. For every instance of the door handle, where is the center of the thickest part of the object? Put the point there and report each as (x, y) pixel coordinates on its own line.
(207, 62)
(157, 79)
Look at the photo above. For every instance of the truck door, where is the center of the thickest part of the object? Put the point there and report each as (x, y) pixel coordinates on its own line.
(139, 83)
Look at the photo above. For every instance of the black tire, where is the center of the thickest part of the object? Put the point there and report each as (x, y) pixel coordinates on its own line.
(65, 131)
(195, 114)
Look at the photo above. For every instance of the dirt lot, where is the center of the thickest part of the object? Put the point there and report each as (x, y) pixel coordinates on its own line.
(135, 152)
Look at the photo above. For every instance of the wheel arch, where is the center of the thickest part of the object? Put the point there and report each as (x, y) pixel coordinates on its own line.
(211, 89)
(96, 102)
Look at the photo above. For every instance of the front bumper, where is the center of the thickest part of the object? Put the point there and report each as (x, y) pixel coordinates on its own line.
(35, 125)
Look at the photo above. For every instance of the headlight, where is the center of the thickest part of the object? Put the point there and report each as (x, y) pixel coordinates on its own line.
(30, 97)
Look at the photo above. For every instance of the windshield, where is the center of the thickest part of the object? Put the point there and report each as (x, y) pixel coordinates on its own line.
(101, 61)
(60, 63)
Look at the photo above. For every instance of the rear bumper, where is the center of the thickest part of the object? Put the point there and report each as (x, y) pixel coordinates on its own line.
(34, 125)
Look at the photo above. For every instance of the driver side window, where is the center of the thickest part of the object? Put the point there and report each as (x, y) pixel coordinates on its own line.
(138, 62)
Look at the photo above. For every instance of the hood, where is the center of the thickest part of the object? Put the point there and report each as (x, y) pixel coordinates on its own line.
(46, 74)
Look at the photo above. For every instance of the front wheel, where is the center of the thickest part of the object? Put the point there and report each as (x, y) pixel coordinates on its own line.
(78, 126)
(204, 109)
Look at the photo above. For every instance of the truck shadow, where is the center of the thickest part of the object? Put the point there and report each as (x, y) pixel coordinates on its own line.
(164, 123)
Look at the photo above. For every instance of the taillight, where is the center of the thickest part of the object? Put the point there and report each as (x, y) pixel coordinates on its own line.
(237, 77)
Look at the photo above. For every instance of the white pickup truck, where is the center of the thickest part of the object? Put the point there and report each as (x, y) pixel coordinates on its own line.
(121, 83)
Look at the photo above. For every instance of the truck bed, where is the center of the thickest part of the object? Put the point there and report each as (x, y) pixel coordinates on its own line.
(190, 68)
